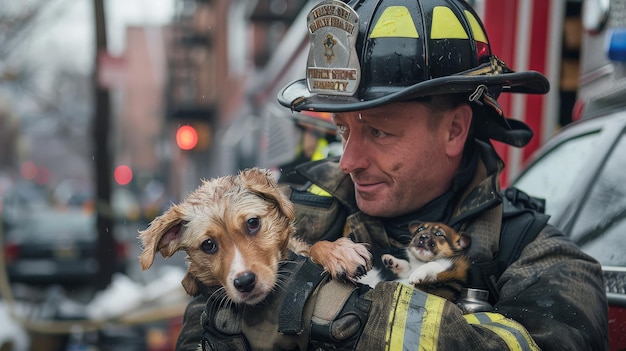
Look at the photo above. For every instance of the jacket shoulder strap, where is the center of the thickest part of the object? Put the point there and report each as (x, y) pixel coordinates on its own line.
(522, 220)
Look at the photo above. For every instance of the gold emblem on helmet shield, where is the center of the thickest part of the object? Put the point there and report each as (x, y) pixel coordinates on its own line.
(329, 42)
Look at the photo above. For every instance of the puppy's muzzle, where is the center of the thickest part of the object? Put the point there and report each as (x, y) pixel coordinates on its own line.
(425, 241)
(245, 282)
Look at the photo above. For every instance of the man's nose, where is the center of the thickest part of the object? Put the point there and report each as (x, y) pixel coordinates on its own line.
(354, 155)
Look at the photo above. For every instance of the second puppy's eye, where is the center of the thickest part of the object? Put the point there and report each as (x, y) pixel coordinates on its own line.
(253, 224)
(439, 233)
(209, 246)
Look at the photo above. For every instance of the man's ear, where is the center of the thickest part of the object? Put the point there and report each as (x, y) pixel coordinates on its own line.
(458, 129)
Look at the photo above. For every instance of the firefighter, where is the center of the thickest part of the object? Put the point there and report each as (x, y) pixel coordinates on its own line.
(413, 89)
(318, 140)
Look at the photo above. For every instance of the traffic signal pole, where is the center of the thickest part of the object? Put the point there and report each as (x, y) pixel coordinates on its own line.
(106, 254)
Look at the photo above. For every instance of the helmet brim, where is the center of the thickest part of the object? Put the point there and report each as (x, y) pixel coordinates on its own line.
(297, 97)
(492, 125)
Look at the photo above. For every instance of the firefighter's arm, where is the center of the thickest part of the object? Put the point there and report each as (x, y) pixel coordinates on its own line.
(326, 314)
(551, 298)
(191, 330)
(558, 293)
(406, 318)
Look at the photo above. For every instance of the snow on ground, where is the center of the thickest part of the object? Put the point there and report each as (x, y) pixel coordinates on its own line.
(10, 331)
(123, 296)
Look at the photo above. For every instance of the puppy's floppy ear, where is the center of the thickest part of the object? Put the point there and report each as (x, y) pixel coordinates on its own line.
(163, 235)
(464, 240)
(190, 285)
(263, 182)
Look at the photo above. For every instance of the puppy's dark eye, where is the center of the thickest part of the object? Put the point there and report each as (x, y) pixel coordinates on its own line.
(209, 246)
(421, 229)
(253, 224)
(439, 233)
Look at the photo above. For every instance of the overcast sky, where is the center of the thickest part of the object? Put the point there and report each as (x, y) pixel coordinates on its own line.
(63, 31)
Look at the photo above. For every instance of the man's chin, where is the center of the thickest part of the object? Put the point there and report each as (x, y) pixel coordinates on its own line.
(373, 207)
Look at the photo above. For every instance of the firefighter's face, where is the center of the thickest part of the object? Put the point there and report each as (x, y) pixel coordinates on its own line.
(401, 156)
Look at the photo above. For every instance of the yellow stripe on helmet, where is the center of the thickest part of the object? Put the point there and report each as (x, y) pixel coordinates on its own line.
(395, 22)
(446, 25)
(477, 30)
(514, 334)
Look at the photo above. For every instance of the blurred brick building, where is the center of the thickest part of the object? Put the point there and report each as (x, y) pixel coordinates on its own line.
(207, 69)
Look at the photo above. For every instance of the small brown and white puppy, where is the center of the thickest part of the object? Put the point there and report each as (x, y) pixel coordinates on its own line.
(436, 262)
(235, 230)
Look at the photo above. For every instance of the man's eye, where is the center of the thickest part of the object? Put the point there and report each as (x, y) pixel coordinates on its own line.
(377, 133)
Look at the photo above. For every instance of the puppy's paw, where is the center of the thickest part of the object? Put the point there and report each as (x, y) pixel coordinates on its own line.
(419, 277)
(396, 265)
(343, 258)
(425, 274)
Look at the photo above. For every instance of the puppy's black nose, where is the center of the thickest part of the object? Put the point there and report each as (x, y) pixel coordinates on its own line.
(245, 282)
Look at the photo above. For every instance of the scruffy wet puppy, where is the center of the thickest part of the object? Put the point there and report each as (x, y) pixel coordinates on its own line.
(235, 231)
(436, 262)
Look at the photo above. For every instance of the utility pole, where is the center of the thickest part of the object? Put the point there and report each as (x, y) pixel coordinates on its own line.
(102, 160)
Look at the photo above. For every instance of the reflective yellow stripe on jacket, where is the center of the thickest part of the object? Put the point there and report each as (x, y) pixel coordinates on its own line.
(411, 322)
(314, 189)
(513, 333)
(414, 327)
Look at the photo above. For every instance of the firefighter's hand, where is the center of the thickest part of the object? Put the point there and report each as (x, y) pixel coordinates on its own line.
(221, 322)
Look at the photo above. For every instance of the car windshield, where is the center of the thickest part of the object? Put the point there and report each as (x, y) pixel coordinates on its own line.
(600, 226)
(552, 176)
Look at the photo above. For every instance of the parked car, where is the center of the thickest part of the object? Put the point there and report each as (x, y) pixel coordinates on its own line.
(581, 174)
(54, 247)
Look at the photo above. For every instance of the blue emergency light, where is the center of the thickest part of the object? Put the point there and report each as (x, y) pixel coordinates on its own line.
(616, 44)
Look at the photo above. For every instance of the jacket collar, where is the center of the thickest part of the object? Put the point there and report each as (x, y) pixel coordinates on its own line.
(327, 175)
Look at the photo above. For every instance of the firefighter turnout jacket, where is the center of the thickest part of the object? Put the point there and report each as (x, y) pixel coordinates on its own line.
(551, 298)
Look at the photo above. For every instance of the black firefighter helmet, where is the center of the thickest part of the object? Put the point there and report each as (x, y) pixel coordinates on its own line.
(368, 53)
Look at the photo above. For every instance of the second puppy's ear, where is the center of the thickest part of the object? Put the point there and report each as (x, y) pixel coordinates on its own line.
(262, 182)
(163, 235)
(464, 240)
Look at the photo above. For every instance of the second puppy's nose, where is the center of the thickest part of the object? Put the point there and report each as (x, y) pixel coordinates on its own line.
(245, 282)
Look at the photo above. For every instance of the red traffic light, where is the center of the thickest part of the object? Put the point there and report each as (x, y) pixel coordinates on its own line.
(123, 175)
(186, 137)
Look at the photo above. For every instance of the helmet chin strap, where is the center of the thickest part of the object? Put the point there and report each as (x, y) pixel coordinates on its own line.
(481, 97)
(495, 125)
